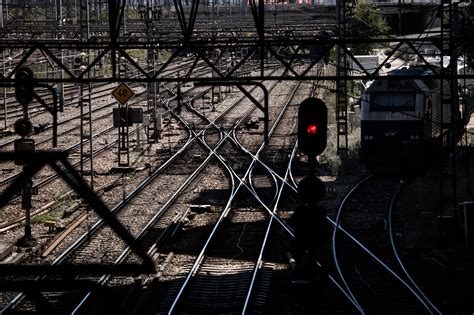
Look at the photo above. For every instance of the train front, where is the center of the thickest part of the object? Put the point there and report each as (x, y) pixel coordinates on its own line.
(393, 128)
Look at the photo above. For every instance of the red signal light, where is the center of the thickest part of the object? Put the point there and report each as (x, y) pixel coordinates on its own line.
(312, 126)
(312, 129)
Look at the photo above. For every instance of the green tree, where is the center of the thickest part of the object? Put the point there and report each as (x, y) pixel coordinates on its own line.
(366, 22)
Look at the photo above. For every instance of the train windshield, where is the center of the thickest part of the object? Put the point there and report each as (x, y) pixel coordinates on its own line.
(392, 101)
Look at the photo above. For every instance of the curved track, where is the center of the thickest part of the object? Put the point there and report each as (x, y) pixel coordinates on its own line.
(370, 267)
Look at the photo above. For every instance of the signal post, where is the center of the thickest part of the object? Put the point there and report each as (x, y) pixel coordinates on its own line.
(307, 281)
(312, 139)
(23, 147)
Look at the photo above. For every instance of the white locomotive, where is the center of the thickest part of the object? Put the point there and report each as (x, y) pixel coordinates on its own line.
(401, 120)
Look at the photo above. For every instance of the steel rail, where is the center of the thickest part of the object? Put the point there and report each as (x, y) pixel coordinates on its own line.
(70, 148)
(333, 247)
(82, 239)
(47, 180)
(15, 111)
(234, 191)
(242, 182)
(128, 198)
(95, 154)
(159, 213)
(72, 119)
(224, 213)
(201, 255)
(102, 93)
(289, 230)
(272, 130)
(284, 181)
(395, 251)
(229, 136)
(337, 227)
(9, 225)
(275, 208)
(358, 243)
(123, 255)
(246, 185)
(278, 192)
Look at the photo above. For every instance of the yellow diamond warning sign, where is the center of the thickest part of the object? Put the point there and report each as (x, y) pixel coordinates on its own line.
(122, 93)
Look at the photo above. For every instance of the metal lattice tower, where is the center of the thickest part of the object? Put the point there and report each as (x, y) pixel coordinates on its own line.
(448, 113)
(341, 84)
(85, 96)
(154, 127)
(123, 134)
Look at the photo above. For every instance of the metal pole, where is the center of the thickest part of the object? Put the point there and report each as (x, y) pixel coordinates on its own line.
(91, 160)
(1, 13)
(124, 20)
(399, 17)
(4, 69)
(5, 109)
(57, 5)
(59, 18)
(26, 204)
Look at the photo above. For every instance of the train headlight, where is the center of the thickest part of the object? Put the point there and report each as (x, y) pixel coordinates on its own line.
(366, 138)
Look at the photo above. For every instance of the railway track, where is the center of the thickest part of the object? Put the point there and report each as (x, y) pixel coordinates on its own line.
(231, 135)
(98, 225)
(211, 269)
(234, 282)
(15, 111)
(108, 140)
(265, 272)
(216, 254)
(371, 269)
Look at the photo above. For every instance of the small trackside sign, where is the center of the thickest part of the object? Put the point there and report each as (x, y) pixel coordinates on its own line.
(122, 93)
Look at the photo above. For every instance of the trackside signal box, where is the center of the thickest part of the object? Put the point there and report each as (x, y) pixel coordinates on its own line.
(124, 116)
(312, 126)
(23, 149)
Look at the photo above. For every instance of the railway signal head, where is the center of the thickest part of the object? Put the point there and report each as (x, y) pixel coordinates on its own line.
(312, 126)
(24, 88)
(79, 61)
(23, 127)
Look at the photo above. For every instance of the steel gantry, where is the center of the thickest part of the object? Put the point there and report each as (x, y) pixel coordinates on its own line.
(296, 43)
(185, 33)
(449, 129)
(341, 84)
(85, 94)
